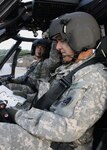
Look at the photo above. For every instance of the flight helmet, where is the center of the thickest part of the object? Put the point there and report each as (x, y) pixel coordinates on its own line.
(79, 29)
(43, 42)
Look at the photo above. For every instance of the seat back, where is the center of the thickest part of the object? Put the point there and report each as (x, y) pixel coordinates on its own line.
(100, 131)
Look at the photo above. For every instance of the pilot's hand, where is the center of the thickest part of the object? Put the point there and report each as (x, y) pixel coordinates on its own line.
(3, 104)
(11, 80)
(12, 112)
(8, 80)
(6, 114)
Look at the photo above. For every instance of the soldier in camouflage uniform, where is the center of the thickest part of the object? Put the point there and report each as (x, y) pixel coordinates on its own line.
(39, 69)
(71, 119)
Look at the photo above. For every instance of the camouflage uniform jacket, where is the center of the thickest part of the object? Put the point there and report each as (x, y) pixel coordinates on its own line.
(71, 119)
(42, 69)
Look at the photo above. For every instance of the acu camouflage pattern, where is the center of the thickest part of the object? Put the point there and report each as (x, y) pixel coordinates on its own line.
(21, 83)
(41, 71)
(69, 120)
(9, 140)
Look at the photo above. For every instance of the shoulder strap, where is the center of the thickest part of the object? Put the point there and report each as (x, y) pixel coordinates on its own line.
(31, 69)
(55, 92)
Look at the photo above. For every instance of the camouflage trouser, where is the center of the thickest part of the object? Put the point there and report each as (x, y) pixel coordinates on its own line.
(24, 88)
(13, 137)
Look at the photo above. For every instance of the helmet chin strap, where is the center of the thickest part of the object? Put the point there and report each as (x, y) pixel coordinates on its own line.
(76, 54)
(73, 59)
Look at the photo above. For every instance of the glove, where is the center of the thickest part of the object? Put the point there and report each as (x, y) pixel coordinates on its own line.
(11, 80)
(6, 114)
(12, 112)
(7, 80)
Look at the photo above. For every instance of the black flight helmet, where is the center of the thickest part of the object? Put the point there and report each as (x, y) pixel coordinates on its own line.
(43, 42)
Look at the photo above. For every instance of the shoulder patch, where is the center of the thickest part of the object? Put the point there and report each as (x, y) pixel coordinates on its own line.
(66, 101)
